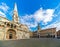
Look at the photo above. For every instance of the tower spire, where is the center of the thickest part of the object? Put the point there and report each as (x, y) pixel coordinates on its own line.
(15, 16)
(15, 7)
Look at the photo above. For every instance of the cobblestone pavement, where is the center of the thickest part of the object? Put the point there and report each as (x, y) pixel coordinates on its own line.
(42, 42)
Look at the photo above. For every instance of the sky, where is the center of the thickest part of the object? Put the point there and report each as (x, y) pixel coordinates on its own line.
(32, 12)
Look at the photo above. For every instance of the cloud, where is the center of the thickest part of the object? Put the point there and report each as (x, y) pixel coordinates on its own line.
(28, 20)
(53, 25)
(4, 7)
(44, 15)
(40, 15)
(57, 22)
(2, 14)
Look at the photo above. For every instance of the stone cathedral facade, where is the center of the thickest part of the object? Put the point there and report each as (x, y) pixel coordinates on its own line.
(13, 30)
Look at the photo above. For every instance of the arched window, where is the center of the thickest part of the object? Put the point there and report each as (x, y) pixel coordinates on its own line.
(4, 22)
(8, 24)
(11, 25)
(14, 26)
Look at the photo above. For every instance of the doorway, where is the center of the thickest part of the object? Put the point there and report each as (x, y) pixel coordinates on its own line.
(11, 34)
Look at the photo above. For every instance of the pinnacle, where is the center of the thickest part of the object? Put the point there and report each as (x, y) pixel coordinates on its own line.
(15, 7)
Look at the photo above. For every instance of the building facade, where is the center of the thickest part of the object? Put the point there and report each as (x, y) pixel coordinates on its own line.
(48, 33)
(45, 33)
(11, 30)
(58, 34)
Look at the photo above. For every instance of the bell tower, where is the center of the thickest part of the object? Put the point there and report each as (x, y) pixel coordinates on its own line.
(15, 14)
(39, 29)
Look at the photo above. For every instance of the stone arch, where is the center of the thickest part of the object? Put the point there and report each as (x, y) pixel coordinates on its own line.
(11, 34)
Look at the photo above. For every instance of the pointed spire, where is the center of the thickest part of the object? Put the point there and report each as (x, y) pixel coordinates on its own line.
(15, 16)
(15, 7)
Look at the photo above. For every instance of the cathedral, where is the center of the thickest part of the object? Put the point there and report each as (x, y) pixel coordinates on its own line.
(13, 30)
